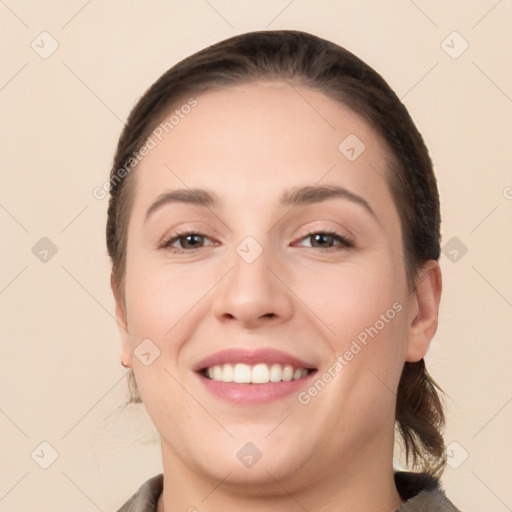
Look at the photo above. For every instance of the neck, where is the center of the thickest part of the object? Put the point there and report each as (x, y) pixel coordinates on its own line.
(366, 483)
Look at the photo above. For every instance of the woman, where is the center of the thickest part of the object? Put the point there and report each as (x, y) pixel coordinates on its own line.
(274, 229)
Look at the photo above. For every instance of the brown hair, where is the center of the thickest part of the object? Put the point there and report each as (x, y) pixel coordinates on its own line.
(313, 62)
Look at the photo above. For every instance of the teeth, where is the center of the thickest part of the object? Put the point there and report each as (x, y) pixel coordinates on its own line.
(287, 373)
(217, 372)
(228, 373)
(242, 374)
(258, 374)
(276, 373)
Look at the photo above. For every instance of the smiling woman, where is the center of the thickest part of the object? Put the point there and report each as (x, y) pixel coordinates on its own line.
(257, 252)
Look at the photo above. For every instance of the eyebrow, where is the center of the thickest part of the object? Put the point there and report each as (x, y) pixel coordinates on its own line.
(293, 197)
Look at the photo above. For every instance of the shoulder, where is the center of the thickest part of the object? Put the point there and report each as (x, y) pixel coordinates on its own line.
(422, 493)
(146, 497)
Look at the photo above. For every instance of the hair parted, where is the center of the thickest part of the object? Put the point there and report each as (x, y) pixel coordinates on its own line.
(307, 60)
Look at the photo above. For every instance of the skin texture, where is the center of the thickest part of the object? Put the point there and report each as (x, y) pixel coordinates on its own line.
(247, 144)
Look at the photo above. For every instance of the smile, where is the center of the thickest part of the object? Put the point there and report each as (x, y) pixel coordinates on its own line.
(253, 376)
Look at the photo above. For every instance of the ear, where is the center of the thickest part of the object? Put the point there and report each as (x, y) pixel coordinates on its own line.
(424, 311)
(122, 324)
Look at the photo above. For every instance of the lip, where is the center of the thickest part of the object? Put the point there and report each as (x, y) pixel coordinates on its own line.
(251, 357)
(252, 394)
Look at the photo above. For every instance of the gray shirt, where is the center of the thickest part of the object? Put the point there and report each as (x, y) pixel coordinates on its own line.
(420, 491)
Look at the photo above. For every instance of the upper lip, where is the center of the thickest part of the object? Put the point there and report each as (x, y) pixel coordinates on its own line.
(251, 357)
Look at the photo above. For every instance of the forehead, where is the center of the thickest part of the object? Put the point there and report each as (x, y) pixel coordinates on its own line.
(253, 141)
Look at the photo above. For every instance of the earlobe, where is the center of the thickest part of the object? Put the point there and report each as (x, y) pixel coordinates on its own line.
(122, 324)
(423, 324)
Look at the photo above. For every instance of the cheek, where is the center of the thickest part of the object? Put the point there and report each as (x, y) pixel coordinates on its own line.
(349, 298)
(163, 303)
(157, 307)
(364, 310)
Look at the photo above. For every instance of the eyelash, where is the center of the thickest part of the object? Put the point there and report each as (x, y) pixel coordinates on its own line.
(345, 243)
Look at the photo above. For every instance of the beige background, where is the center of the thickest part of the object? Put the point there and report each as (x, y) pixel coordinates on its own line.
(60, 377)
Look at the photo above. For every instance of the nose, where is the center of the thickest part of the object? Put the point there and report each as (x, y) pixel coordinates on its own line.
(254, 294)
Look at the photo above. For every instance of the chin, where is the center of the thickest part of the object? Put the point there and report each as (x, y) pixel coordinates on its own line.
(262, 475)
(250, 459)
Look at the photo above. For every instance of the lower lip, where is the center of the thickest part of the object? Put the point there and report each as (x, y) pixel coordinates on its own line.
(254, 393)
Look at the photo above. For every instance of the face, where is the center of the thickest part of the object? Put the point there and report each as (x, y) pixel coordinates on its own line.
(256, 280)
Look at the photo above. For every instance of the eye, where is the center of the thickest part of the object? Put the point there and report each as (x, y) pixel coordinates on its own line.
(326, 240)
(187, 242)
(190, 241)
